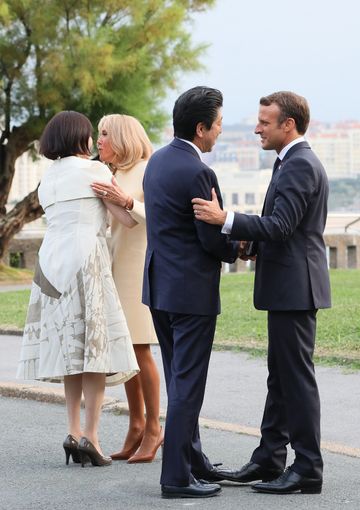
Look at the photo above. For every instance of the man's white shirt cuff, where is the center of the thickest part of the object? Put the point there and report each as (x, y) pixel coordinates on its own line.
(227, 227)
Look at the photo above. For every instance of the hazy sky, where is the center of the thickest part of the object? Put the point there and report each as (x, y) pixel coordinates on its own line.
(311, 47)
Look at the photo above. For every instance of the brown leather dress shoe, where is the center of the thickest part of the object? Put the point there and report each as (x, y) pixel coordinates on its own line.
(251, 472)
(290, 482)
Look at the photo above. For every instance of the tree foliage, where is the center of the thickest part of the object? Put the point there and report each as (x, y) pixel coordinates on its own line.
(92, 56)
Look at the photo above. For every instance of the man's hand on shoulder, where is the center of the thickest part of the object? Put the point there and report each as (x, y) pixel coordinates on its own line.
(209, 210)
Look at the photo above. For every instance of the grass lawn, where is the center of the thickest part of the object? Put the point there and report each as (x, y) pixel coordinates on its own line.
(13, 308)
(241, 327)
(10, 275)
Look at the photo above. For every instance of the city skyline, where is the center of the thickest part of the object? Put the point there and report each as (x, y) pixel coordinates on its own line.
(256, 49)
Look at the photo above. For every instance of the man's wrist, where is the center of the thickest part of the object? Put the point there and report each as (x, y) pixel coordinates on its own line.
(222, 218)
(228, 222)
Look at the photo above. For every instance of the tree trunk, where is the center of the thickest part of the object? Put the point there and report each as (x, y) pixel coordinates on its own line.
(25, 211)
(29, 208)
(8, 157)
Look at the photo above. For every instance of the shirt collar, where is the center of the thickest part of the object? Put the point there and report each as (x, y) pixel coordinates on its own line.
(283, 151)
(193, 146)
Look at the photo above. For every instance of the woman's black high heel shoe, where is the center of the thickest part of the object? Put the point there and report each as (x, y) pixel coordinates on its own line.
(88, 451)
(71, 448)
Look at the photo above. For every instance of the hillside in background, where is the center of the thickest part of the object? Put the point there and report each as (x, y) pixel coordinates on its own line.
(344, 195)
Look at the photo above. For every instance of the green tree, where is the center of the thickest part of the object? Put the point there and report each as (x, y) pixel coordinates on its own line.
(93, 56)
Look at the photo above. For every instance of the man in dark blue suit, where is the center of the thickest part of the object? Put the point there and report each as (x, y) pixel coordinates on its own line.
(291, 283)
(181, 283)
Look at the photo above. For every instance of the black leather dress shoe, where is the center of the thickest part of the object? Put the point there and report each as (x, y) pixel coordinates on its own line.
(290, 482)
(249, 473)
(210, 475)
(196, 489)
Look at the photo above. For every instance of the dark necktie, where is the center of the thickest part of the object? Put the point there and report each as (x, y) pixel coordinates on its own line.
(276, 164)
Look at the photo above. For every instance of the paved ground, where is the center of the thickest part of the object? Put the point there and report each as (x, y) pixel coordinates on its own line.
(7, 288)
(34, 475)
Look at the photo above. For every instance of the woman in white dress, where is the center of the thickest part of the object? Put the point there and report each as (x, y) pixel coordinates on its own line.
(125, 146)
(75, 329)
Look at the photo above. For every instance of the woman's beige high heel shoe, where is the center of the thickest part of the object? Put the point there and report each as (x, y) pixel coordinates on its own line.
(135, 459)
(126, 454)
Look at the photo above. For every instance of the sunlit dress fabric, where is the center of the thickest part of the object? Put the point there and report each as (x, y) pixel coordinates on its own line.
(75, 322)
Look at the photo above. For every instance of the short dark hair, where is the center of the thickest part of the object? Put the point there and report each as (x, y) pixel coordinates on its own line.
(199, 104)
(66, 134)
(290, 105)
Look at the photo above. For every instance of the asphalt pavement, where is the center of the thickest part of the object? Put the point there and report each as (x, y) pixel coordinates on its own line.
(34, 475)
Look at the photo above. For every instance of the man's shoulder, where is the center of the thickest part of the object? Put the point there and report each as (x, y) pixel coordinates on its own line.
(176, 153)
(306, 156)
(301, 152)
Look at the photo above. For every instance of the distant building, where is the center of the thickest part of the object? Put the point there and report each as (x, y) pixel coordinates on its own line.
(337, 145)
(243, 191)
(28, 173)
(338, 148)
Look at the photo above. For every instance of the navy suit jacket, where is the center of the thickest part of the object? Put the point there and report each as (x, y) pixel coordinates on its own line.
(183, 256)
(291, 266)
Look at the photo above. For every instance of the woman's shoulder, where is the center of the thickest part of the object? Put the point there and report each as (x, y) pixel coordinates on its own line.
(71, 178)
(81, 169)
(93, 168)
(78, 163)
(139, 168)
(141, 165)
(77, 168)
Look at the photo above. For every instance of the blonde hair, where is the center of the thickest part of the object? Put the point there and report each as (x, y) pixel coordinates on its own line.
(128, 140)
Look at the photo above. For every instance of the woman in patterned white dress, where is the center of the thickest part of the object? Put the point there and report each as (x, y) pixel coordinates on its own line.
(75, 329)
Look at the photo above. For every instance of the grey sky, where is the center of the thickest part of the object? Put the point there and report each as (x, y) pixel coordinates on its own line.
(257, 47)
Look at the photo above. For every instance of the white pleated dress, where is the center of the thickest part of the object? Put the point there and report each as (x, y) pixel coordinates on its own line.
(75, 322)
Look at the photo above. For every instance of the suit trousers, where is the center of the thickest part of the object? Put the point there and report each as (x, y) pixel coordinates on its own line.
(292, 408)
(185, 342)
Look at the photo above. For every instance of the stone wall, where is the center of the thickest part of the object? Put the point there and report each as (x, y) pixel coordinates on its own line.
(343, 252)
(27, 248)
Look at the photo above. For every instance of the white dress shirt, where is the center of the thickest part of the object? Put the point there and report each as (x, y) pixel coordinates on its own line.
(193, 146)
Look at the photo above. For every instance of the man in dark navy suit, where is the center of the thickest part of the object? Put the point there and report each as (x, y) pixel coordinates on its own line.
(291, 282)
(181, 283)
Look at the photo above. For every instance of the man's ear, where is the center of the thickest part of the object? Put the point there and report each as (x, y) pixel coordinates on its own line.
(289, 124)
(200, 127)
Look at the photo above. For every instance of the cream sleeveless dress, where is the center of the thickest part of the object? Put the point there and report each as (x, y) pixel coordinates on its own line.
(127, 249)
(75, 322)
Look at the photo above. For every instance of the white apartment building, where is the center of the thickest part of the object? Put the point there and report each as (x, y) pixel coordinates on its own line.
(28, 173)
(338, 149)
(245, 153)
(242, 191)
